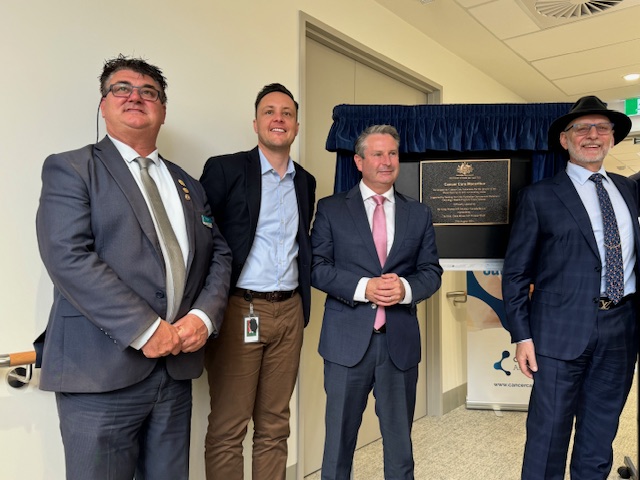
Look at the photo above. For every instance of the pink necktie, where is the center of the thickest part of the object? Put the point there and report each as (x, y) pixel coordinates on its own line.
(379, 230)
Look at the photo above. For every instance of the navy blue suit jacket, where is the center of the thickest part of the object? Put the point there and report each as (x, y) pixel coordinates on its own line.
(344, 252)
(99, 244)
(233, 186)
(552, 246)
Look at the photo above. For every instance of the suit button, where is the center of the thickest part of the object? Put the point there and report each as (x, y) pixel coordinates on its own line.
(596, 299)
(598, 268)
(159, 294)
(374, 306)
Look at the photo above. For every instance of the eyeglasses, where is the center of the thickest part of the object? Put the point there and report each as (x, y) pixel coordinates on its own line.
(584, 128)
(125, 90)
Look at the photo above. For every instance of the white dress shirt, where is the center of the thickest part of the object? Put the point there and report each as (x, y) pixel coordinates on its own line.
(173, 205)
(390, 217)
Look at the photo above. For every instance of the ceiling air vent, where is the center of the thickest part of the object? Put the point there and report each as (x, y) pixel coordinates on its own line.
(574, 8)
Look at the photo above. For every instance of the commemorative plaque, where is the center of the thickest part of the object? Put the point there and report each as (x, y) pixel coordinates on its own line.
(469, 192)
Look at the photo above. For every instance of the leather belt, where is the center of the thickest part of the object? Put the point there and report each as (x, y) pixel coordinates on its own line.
(382, 329)
(249, 295)
(605, 304)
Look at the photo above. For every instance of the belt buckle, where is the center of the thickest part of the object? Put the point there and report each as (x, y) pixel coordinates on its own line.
(272, 296)
(605, 304)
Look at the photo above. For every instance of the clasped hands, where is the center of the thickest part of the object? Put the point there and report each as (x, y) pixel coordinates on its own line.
(385, 290)
(185, 335)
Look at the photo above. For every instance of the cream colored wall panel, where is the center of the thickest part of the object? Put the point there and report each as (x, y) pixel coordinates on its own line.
(373, 87)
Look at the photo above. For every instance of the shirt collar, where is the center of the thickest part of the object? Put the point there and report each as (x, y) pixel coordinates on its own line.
(367, 193)
(581, 175)
(265, 166)
(129, 154)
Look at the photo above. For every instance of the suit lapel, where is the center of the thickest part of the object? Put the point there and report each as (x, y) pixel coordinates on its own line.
(355, 206)
(187, 208)
(569, 196)
(631, 205)
(300, 187)
(107, 153)
(401, 225)
(253, 189)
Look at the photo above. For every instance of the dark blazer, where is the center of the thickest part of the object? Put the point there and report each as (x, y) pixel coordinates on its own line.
(344, 252)
(233, 185)
(552, 246)
(99, 245)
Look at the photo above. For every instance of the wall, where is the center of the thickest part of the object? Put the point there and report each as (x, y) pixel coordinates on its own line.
(216, 56)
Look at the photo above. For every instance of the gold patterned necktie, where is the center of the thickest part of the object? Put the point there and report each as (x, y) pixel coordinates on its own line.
(174, 261)
(614, 275)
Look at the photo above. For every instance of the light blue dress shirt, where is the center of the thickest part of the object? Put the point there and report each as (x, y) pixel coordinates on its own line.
(587, 191)
(271, 265)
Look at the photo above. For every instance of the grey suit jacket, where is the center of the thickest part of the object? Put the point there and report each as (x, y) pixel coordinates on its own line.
(344, 252)
(99, 245)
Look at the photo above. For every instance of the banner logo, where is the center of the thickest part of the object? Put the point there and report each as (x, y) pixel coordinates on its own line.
(498, 364)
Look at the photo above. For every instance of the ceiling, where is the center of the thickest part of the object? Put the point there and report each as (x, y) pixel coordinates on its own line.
(579, 47)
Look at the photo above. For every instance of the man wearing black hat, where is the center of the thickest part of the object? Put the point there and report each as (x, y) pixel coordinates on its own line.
(575, 238)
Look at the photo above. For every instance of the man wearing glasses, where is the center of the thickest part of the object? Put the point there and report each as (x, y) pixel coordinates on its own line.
(575, 238)
(141, 276)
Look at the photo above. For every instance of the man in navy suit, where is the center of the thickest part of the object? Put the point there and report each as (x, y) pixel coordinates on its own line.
(576, 332)
(263, 202)
(370, 337)
(119, 360)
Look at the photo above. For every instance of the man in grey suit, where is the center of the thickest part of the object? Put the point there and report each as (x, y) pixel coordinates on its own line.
(141, 276)
(375, 256)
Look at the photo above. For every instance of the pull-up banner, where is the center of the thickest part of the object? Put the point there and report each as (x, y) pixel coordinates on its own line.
(494, 380)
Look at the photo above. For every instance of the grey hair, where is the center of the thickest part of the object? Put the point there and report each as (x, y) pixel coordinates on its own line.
(372, 130)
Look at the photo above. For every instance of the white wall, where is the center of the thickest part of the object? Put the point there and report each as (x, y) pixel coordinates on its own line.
(216, 56)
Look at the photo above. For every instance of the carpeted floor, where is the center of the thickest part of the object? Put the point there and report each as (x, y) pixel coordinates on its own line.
(479, 445)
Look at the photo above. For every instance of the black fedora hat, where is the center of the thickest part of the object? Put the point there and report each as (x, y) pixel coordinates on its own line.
(589, 105)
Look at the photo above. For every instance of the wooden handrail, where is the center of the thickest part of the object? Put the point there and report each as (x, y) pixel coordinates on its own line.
(15, 359)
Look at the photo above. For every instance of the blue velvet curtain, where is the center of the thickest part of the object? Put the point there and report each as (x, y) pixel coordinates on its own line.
(469, 128)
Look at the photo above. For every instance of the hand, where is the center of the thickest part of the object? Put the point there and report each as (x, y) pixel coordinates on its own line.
(526, 357)
(385, 290)
(192, 331)
(164, 341)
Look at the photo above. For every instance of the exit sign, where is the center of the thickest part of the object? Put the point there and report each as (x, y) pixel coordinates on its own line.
(632, 106)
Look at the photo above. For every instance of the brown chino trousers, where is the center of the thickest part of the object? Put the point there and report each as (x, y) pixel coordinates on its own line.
(252, 380)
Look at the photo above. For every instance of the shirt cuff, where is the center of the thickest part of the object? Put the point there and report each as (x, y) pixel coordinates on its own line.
(408, 294)
(361, 289)
(144, 337)
(205, 319)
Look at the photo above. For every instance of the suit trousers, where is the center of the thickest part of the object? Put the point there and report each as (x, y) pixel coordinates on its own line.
(347, 391)
(252, 380)
(592, 389)
(143, 429)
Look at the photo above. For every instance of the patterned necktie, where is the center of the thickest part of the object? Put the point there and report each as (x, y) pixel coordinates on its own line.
(174, 261)
(379, 231)
(614, 276)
